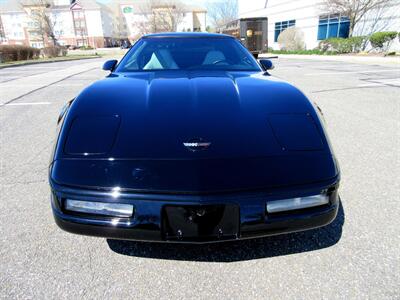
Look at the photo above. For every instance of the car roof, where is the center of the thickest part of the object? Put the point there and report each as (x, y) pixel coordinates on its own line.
(186, 35)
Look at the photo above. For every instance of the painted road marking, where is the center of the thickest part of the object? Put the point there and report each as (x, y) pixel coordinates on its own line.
(26, 103)
(390, 82)
(352, 72)
(377, 83)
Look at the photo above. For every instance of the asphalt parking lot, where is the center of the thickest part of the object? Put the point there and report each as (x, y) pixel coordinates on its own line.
(355, 257)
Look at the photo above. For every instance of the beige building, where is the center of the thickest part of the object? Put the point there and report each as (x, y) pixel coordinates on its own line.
(82, 23)
(90, 23)
(140, 17)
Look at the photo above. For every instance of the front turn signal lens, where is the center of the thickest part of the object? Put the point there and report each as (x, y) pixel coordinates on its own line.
(297, 203)
(100, 208)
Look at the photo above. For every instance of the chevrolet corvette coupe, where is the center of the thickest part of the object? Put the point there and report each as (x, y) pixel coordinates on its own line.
(190, 139)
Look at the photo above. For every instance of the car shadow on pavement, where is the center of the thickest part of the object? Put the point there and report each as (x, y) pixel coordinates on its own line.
(238, 250)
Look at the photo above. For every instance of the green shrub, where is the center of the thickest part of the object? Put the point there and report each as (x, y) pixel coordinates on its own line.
(341, 45)
(302, 52)
(86, 48)
(357, 43)
(17, 52)
(331, 44)
(381, 40)
(54, 51)
(64, 51)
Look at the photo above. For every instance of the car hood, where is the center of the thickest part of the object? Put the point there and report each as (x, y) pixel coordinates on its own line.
(146, 123)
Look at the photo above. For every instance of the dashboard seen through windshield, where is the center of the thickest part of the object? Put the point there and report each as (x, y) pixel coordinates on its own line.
(151, 54)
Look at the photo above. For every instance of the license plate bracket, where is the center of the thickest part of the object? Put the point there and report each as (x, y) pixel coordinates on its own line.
(200, 222)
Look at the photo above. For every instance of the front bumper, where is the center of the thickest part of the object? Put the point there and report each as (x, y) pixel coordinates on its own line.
(149, 220)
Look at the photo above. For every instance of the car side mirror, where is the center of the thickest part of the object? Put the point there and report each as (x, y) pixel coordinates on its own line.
(266, 64)
(109, 65)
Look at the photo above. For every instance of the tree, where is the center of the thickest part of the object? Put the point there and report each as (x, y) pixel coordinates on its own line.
(291, 39)
(44, 22)
(380, 19)
(2, 32)
(167, 15)
(159, 16)
(354, 9)
(222, 12)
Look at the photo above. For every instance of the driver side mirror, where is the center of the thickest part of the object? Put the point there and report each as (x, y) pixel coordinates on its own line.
(266, 64)
(109, 65)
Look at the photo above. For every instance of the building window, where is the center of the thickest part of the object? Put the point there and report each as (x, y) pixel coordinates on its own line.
(78, 14)
(281, 26)
(37, 45)
(333, 26)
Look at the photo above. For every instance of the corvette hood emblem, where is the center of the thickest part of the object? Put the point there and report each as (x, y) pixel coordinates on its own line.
(197, 145)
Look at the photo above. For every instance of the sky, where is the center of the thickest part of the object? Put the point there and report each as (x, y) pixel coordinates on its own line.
(203, 2)
(200, 2)
(191, 1)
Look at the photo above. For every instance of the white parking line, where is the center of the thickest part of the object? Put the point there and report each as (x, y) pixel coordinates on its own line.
(370, 85)
(352, 72)
(69, 84)
(38, 84)
(394, 82)
(26, 103)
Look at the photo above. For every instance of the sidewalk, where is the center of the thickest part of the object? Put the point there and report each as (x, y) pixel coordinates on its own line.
(372, 60)
(100, 51)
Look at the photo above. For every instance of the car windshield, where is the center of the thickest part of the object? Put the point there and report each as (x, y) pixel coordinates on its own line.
(184, 53)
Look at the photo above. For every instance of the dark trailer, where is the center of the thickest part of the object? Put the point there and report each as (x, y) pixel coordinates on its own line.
(252, 32)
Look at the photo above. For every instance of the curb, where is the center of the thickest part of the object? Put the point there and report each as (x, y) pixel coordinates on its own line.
(342, 58)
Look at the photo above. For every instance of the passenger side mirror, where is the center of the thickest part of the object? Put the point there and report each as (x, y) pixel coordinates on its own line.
(109, 65)
(266, 64)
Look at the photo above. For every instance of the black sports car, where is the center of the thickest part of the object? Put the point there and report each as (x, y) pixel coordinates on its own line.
(189, 139)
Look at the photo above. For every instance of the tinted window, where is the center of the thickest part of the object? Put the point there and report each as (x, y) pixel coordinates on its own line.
(184, 53)
(281, 26)
(333, 26)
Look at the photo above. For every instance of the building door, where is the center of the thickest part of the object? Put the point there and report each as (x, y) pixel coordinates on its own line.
(254, 36)
(254, 32)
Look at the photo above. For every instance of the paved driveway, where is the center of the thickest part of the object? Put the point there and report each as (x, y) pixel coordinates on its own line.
(357, 256)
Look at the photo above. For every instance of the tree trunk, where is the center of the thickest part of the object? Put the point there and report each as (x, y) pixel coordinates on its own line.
(352, 26)
(351, 30)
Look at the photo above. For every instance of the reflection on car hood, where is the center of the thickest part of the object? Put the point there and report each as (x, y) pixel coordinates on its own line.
(160, 111)
(140, 131)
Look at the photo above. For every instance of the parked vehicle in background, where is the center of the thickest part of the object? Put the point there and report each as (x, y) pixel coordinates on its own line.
(252, 32)
(71, 47)
(126, 44)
